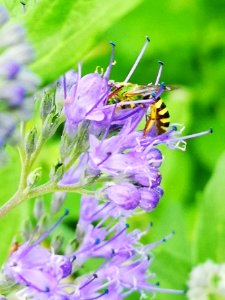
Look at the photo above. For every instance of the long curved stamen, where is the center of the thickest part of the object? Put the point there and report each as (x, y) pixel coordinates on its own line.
(112, 239)
(130, 113)
(109, 68)
(135, 123)
(94, 276)
(99, 296)
(76, 84)
(160, 91)
(194, 135)
(109, 125)
(108, 154)
(122, 103)
(157, 243)
(64, 87)
(99, 101)
(159, 72)
(168, 291)
(38, 241)
(138, 59)
(100, 210)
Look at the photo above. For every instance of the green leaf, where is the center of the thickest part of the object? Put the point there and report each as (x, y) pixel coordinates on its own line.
(62, 33)
(172, 270)
(210, 242)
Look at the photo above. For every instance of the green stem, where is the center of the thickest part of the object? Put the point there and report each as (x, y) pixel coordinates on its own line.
(41, 190)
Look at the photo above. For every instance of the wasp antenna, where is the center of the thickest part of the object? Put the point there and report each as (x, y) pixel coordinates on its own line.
(137, 59)
(159, 72)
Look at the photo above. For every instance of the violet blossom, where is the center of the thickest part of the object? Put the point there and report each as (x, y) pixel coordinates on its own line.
(16, 81)
(42, 274)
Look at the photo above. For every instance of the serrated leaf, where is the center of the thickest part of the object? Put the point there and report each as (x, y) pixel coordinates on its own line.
(210, 242)
(63, 32)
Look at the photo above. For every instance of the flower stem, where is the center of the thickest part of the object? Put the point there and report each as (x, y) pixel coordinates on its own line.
(47, 188)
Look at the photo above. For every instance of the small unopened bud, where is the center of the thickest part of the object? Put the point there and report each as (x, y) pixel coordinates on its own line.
(27, 230)
(72, 246)
(33, 177)
(31, 141)
(57, 201)
(56, 172)
(47, 105)
(66, 145)
(43, 224)
(38, 210)
(56, 242)
(50, 125)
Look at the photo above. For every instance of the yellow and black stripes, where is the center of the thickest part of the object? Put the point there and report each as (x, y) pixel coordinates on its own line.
(159, 117)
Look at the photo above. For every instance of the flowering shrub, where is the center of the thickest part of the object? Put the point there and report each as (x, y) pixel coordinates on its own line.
(108, 152)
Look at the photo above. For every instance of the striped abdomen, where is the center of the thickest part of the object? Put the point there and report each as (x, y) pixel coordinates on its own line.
(159, 117)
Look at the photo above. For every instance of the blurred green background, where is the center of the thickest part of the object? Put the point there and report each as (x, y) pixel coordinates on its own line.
(188, 36)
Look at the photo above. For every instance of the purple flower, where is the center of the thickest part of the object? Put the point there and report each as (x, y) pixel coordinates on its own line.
(16, 81)
(41, 274)
(126, 195)
(84, 97)
(34, 266)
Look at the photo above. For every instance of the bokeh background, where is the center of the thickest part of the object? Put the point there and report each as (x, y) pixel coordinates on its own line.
(188, 36)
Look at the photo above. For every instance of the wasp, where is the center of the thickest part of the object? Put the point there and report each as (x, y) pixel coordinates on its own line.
(158, 117)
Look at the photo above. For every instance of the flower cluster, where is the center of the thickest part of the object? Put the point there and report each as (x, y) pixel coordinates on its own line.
(123, 262)
(103, 118)
(16, 81)
(102, 144)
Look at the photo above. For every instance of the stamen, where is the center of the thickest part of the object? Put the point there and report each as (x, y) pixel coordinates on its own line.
(94, 276)
(130, 113)
(24, 6)
(64, 87)
(160, 91)
(76, 84)
(113, 238)
(137, 60)
(194, 135)
(108, 70)
(142, 101)
(100, 210)
(157, 243)
(109, 125)
(38, 241)
(159, 72)
(99, 101)
(169, 291)
(108, 154)
(99, 296)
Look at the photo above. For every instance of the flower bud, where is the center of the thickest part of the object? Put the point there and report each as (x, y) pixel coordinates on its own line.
(56, 172)
(31, 141)
(38, 210)
(50, 125)
(57, 201)
(33, 177)
(47, 105)
(56, 242)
